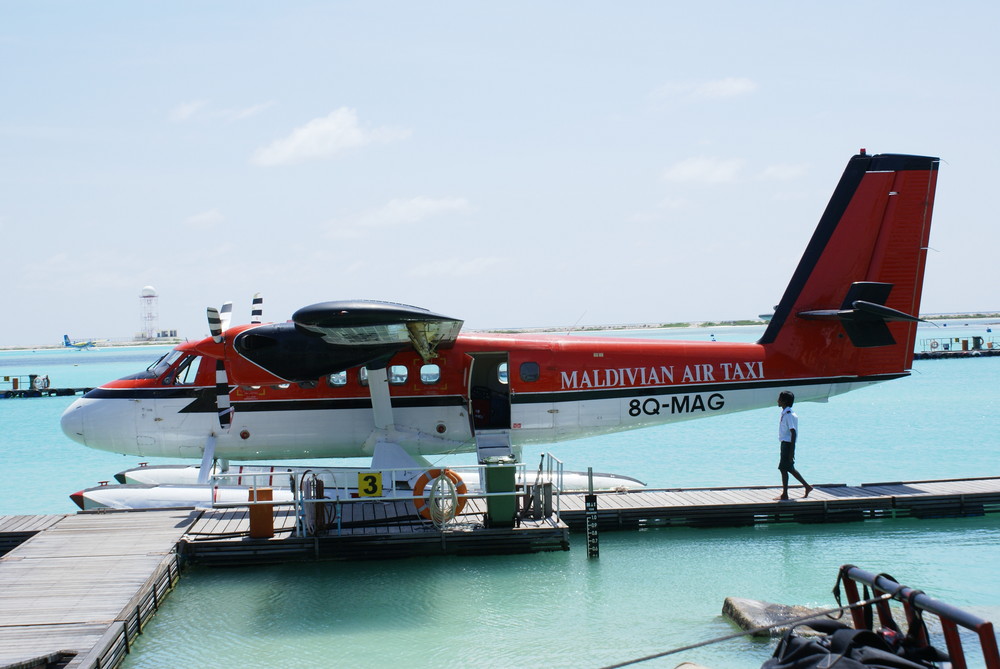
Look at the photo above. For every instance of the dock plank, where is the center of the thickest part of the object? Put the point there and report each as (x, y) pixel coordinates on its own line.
(65, 587)
(756, 504)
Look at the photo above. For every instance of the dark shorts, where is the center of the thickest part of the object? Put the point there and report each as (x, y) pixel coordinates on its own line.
(787, 461)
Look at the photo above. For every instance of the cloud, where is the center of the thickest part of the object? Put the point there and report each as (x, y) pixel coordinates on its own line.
(325, 137)
(399, 212)
(718, 89)
(704, 170)
(454, 268)
(413, 210)
(186, 111)
(208, 218)
(247, 112)
(721, 89)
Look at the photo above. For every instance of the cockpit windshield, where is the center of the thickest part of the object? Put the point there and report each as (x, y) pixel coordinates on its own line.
(160, 367)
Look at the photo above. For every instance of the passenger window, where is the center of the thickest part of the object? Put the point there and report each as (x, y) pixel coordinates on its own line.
(398, 375)
(338, 379)
(430, 374)
(502, 373)
(530, 372)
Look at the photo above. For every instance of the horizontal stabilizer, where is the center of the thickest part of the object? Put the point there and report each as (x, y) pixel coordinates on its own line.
(884, 312)
(864, 320)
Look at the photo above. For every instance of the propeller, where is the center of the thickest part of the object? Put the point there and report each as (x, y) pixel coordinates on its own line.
(217, 324)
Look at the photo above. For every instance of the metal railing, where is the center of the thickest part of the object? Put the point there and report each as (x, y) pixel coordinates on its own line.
(915, 602)
(338, 488)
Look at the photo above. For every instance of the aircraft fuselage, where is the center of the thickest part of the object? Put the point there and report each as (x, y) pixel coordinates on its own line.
(543, 389)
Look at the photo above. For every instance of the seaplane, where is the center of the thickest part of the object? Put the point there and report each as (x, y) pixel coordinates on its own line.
(80, 345)
(398, 383)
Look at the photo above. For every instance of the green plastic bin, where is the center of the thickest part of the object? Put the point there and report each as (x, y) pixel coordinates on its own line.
(500, 476)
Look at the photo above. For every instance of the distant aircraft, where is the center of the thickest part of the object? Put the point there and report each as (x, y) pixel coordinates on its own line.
(79, 345)
(353, 378)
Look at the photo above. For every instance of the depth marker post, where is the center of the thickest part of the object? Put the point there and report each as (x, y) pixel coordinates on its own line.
(590, 505)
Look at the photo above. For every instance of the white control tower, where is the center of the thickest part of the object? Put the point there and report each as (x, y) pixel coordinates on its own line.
(149, 310)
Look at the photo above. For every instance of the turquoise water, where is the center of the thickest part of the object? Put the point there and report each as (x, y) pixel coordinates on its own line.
(648, 592)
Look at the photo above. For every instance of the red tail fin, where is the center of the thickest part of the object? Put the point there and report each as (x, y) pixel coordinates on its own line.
(852, 305)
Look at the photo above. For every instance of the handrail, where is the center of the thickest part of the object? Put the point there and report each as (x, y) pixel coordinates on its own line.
(335, 480)
(555, 471)
(951, 617)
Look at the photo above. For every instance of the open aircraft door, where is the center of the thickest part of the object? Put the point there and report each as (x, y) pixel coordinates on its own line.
(489, 403)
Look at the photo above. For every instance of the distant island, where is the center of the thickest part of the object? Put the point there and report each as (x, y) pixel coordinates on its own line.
(568, 328)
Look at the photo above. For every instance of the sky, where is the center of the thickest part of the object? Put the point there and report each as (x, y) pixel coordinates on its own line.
(514, 164)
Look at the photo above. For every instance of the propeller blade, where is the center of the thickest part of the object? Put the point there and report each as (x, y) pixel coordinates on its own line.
(222, 395)
(226, 314)
(257, 311)
(215, 325)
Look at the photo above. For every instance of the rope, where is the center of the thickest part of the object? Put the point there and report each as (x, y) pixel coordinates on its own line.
(442, 500)
(756, 630)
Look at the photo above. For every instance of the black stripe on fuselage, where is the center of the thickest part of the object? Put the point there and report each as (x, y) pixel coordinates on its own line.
(168, 393)
(421, 402)
(203, 400)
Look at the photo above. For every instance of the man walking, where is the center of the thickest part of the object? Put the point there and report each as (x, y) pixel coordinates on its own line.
(788, 431)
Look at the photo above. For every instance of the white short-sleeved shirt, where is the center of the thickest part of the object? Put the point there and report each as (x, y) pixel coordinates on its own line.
(788, 422)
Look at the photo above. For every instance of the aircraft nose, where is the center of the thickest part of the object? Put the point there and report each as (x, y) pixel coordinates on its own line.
(72, 423)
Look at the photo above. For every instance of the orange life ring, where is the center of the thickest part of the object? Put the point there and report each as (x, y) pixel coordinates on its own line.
(934, 343)
(418, 491)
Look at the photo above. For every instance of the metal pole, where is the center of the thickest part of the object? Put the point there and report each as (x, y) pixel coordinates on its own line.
(590, 505)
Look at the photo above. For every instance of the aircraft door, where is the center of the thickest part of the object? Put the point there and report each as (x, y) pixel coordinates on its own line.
(489, 392)
(146, 422)
(159, 416)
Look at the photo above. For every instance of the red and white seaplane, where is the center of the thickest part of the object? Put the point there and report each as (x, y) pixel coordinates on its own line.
(397, 383)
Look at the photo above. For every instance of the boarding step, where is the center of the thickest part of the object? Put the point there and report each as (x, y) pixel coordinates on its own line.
(493, 444)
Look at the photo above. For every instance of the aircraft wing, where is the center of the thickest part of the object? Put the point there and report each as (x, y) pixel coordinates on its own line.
(330, 337)
(370, 323)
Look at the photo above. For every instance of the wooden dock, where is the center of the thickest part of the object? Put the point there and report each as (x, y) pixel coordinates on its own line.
(753, 505)
(15, 530)
(81, 588)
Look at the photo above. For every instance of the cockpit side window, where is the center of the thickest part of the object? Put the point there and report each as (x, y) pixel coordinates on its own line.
(187, 371)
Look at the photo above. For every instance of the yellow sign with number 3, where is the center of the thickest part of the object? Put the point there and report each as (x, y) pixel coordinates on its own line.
(369, 484)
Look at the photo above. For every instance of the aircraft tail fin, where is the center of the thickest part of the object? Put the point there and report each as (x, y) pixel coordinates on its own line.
(66, 341)
(852, 305)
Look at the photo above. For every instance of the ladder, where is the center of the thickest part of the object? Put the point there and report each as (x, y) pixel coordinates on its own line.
(492, 444)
